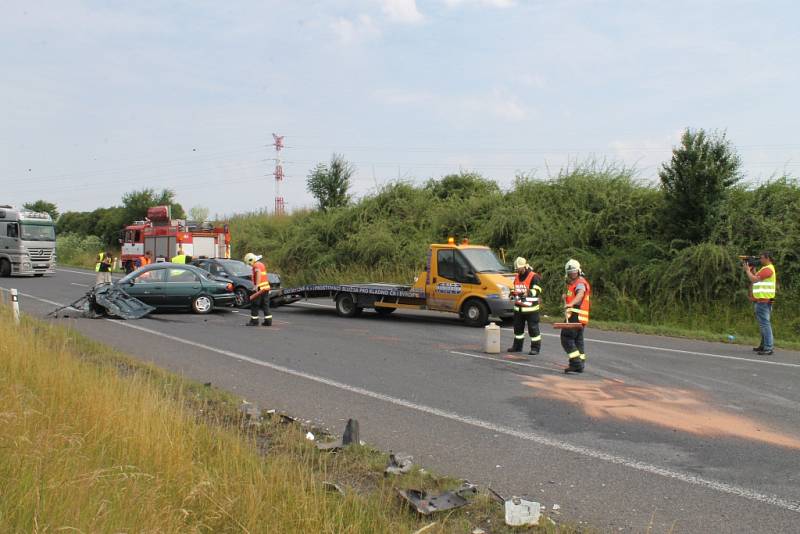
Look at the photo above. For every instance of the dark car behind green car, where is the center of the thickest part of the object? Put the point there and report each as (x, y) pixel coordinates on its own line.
(174, 286)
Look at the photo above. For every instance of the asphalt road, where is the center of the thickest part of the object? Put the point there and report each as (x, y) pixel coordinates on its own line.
(658, 435)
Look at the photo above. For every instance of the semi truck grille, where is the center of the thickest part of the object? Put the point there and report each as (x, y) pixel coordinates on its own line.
(40, 254)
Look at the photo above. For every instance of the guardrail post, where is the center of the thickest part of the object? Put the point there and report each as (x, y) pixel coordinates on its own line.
(15, 305)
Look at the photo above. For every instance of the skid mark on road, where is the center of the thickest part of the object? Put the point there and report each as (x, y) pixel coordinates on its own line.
(679, 409)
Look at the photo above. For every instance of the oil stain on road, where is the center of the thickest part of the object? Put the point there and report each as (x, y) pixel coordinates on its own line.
(677, 409)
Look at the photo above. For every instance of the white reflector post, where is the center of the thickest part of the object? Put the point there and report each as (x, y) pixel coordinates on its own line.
(15, 305)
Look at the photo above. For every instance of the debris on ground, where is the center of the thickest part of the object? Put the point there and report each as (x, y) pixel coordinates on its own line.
(250, 410)
(425, 528)
(427, 503)
(107, 300)
(349, 437)
(398, 465)
(310, 436)
(519, 512)
(333, 487)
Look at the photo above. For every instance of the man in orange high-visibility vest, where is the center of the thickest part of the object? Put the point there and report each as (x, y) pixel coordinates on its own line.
(261, 284)
(577, 301)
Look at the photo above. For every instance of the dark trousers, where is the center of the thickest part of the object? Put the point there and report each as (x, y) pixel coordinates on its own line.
(260, 303)
(532, 320)
(572, 340)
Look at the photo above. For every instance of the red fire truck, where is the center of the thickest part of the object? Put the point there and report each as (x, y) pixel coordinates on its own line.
(161, 235)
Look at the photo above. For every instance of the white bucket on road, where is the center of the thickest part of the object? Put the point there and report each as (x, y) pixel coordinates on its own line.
(492, 344)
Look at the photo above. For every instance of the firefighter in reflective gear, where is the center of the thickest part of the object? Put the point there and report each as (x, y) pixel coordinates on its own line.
(577, 301)
(526, 295)
(180, 257)
(261, 283)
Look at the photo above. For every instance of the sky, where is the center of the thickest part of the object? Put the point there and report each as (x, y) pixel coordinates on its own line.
(102, 98)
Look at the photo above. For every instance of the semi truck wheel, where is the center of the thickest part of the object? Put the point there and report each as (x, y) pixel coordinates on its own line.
(346, 305)
(5, 268)
(475, 312)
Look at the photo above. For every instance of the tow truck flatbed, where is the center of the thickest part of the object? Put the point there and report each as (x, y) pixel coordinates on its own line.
(464, 279)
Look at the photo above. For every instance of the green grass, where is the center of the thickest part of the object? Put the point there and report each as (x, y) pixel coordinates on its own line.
(95, 441)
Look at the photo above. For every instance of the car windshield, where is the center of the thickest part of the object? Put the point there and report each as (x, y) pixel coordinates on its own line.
(483, 260)
(236, 267)
(37, 232)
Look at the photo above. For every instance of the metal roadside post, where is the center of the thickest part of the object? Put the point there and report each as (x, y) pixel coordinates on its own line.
(15, 305)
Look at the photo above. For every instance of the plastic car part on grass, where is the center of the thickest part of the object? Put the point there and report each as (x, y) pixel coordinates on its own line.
(398, 465)
(350, 437)
(518, 511)
(427, 503)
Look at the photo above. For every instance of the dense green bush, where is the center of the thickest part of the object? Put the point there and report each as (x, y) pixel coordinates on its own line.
(77, 249)
(600, 215)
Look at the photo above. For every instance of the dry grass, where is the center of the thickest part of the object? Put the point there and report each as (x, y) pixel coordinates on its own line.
(94, 441)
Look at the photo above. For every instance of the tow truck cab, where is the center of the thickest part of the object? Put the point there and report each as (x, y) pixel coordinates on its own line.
(468, 280)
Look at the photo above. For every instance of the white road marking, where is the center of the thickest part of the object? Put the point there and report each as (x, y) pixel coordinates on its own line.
(82, 285)
(511, 362)
(721, 487)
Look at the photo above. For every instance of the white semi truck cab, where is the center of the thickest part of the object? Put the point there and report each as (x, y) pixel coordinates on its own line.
(27, 242)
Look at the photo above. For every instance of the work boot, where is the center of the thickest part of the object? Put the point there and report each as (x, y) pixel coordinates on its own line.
(575, 366)
(516, 347)
(253, 322)
(758, 349)
(764, 352)
(536, 346)
(267, 322)
(533, 352)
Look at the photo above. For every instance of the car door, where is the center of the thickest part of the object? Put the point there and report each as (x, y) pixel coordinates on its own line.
(181, 287)
(452, 279)
(148, 287)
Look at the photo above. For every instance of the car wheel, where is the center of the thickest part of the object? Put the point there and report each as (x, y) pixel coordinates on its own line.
(346, 305)
(5, 268)
(384, 311)
(241, 297)
(202, 304)
(475, 312)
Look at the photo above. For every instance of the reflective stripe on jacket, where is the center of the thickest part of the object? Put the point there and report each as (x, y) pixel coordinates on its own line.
(582, 309)
(527, 294)
(260, 279)
(765, 289)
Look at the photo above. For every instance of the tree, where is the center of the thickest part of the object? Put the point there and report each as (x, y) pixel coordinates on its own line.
(329, 184)
(695, 183)
(198, 213)
(135, 204)
(44, 207)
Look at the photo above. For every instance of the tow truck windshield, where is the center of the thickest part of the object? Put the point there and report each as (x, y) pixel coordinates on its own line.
(483, 260)
(37, 232)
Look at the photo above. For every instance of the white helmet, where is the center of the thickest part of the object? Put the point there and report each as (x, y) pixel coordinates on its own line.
(251, 258)
(520, 262)
(572, 266)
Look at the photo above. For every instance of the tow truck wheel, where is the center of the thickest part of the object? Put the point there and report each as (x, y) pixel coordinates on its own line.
(346, 305)
(5, 268)
(202, 304)
(475, 312)
(384, 311)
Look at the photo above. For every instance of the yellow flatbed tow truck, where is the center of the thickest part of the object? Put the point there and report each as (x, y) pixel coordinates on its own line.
(459, 278)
